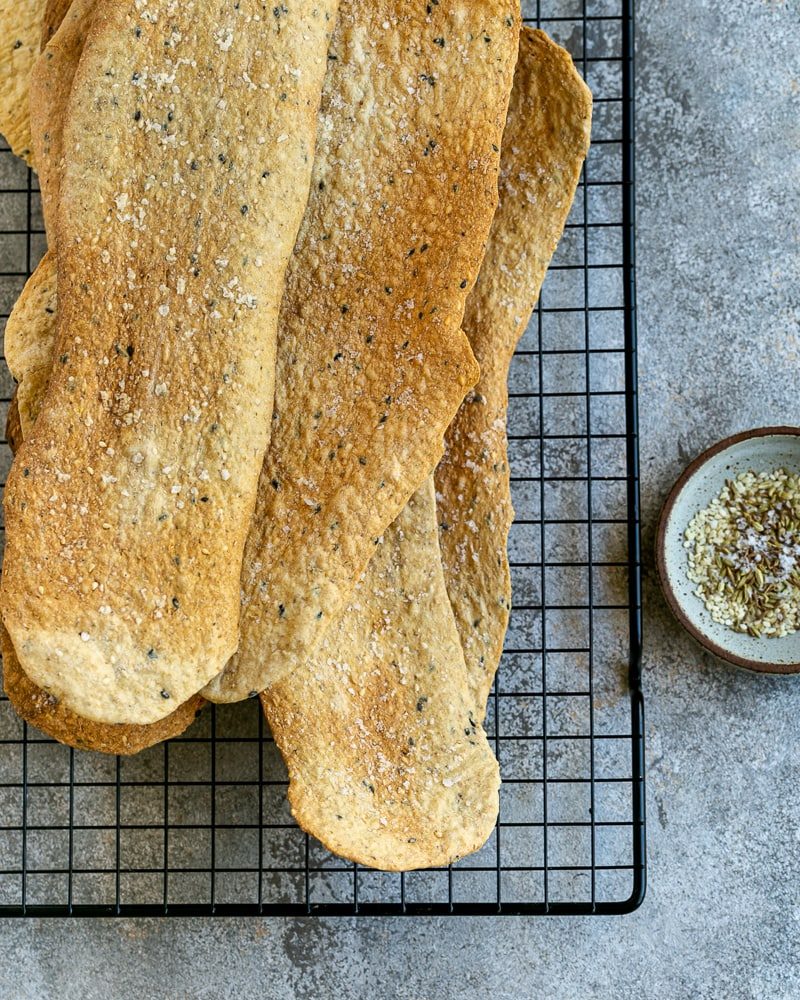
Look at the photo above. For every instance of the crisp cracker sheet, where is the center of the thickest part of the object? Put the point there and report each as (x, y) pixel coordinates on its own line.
(185, 177)
(372, 363)
(388, 765)
(544, 146)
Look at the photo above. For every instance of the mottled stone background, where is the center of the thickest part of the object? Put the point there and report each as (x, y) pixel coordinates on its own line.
(719, 296)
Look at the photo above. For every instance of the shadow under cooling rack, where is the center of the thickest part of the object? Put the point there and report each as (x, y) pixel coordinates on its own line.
(201, 825)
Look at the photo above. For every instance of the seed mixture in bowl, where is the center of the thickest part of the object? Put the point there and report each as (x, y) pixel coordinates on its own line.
(744, 554)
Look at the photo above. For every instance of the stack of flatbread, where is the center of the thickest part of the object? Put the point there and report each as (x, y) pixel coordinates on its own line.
(260, 419)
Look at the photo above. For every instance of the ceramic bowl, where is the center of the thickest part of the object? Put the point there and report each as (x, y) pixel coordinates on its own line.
(761, 450)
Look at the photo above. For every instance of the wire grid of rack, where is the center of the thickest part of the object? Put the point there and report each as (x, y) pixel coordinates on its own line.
(201, 825)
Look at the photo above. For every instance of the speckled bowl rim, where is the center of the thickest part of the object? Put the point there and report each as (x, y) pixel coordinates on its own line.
(755, 666)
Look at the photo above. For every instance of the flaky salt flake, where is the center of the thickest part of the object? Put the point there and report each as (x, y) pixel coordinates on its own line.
(224, 39)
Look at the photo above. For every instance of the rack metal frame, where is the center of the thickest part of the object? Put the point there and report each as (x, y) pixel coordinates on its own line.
(199, 826)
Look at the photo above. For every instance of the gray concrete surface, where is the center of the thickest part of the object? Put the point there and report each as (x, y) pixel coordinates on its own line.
(719, 294)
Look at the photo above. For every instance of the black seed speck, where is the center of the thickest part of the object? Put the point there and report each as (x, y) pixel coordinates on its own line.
(152, 654)
(165, 695)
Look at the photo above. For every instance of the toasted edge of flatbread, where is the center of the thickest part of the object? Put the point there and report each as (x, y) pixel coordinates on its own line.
(20, 31)
(51, 81)
(544, 146)
(54, 13)
(30, 339)
(47, 713)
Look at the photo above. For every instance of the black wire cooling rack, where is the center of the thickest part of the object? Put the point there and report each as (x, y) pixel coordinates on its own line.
(201, 825)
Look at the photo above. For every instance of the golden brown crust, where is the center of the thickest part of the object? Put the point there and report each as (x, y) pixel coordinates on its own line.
(372, 363)
(54, 13)
(30, 340)
(387, 763)
(20, 28)
(175, 224)
(44, 711)
(544, 146)
(50, 87)
(31, 703)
